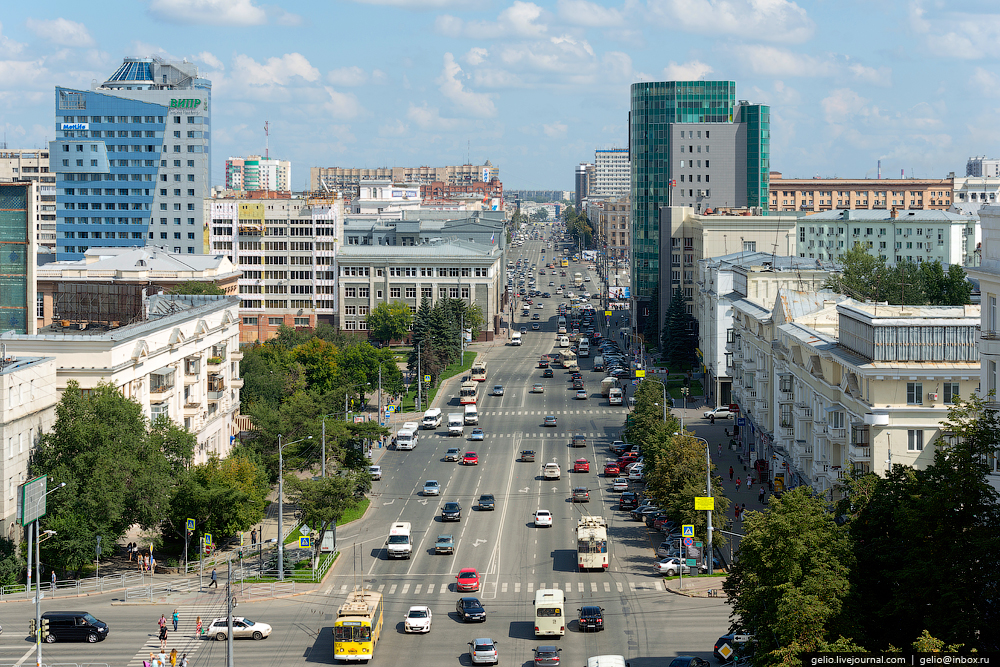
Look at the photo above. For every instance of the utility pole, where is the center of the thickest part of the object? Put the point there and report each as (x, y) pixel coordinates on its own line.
(281, 511)
(229, 613)
(708, 484)
(420, 379)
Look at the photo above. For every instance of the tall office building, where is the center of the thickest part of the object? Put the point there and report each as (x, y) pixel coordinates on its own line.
(611, 172)
(32, 164)
(582, 180)
(690, 144)
(258, 173)
(17, 256)
(981, 165)
(133, 159)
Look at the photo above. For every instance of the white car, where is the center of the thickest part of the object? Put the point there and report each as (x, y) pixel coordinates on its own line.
(620, 484)
(432, 488)
(668, 566)
(242, 628)
(539, 305)
(543, 518)
(635, 473)
(375, 472)
(718, 413)
(418, 619)
(483, 652)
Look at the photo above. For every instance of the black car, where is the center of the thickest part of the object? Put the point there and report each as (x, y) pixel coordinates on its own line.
(628, 501)
(591, 618)
(470, 609)
(74, 626)
(689, 661)
(547, 373)
(487, 502)
(451, 512)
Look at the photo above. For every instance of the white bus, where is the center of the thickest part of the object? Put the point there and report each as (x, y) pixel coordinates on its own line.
(592, 543)
(550, 612)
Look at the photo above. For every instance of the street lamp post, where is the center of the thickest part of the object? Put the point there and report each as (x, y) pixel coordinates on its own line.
(708, 488)
(281, 506)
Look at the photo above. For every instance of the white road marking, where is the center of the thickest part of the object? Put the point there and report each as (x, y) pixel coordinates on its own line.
(631, 586)
(503, 587)
(619, 585)
(416, 589)
(517, 586)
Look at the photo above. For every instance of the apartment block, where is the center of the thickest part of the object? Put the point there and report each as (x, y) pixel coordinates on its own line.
(346, 180)
(583, 180)
(814, 195)
(981, 165)
(898, 235)
(254, 172)
(827, 384)
(612, 172)
(973, 193)
(32, 164)
(610, 219)
(18, 212)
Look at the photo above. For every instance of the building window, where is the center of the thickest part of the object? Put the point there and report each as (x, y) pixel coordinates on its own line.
(275, 321)
(39, 304)
(951, 392)
(749, 246)
(914, 393)
(915, 440)
(411, 292)
(393, 292)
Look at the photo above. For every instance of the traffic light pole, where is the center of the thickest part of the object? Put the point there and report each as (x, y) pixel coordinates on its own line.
(38, 598)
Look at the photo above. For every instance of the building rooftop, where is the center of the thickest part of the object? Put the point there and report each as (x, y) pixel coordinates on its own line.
(436, 248)
(884, 314)
(885, 215)
(15, 364)
(151, 261)
(767, 261)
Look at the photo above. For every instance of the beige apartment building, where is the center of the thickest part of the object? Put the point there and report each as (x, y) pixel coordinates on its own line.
(345, 179)
(826, 384)
(812, 195)
(610, 220)
(32, 164)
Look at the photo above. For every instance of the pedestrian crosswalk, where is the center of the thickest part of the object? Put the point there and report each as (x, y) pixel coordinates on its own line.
(511, 587)
(186, 639)
(545, 413)
(523, 434)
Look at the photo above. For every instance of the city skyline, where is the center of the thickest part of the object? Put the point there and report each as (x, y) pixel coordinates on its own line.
(534, 88)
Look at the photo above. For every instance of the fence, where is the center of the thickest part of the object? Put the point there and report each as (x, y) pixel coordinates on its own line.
(71, 587)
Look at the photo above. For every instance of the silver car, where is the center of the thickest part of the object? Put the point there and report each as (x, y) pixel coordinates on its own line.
(432, 488)
(243, 628)
(483, 651)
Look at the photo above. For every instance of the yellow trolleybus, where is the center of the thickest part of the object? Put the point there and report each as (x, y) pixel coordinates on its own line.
(358, 626)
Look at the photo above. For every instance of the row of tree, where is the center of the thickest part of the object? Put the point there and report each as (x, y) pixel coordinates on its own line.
(578, 226)
(868, 277)
(437, 333)
(905, 560)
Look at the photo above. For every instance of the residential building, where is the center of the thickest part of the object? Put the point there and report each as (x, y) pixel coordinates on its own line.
(612, 172)
(973, 193)
(827, 384)
(18, 214)
(988, 275)
(28, 399)
(898, 235)
(132, 158)
(610, 219)
(538, 195)
(827, 194)
(687, 237)
(584, 182)
(691, 144)
(32, 164)
(471, 195)
(152, 268)
(722, 280)
(346, 180)
(981, 165)
(177, 355)
(258, 173)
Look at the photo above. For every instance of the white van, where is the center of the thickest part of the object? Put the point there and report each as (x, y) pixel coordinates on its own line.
(432, 419)
(562, 323)
(563, 341)
(515, 338)
(398, 545)
(614, 396)
(584, 350)
(456, 423)
(471, 414)
(607, 661)
(550, 612)
(406, 439)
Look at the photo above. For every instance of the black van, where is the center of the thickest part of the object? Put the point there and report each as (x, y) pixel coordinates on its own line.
(74, 626)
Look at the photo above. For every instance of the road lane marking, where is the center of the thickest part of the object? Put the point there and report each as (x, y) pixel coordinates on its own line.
(416, 589)
(531, 587)
(503, 587)
(430, 589)
(517, 586)
(406, 587)
(619, 585)
(607, 587)
(382, 588)
(631, 586)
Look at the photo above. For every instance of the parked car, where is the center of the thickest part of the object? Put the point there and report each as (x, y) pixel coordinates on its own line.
(620, 484)
(718, 413)
(628, 501)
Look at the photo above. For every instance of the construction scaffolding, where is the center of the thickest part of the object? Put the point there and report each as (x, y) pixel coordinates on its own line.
(86, 305)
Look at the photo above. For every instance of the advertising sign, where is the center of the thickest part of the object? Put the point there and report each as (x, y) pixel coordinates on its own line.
(74, 126)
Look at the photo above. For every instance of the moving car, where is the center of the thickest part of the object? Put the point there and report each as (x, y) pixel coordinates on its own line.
(432, 488)
(551, 471)
(243, 628)
(689, 661)
(498, 390)
(445, 544)
(468, 580)
(418, 619)
(578, 440)
(582, 394)
(483, 652)
(581, 494)
(76, 626)
(375, 472)
(536, 316)
(477, 434)
(611, 468)
(470, 459)
(620, 484)
(534, 326)
(486, 502)
(543, 518)
(451, 511)
(549, 421)
(547, 656)
(591, 618)
(581, 465)
(528, 455)
(718, 413)
(538, 389)
(453, 454)
(470, 609)
(547, 373)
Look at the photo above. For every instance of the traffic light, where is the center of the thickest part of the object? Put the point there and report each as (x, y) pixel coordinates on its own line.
(31, 627)
(45, 628)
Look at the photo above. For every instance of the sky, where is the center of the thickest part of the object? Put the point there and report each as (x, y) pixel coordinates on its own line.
(534, 87)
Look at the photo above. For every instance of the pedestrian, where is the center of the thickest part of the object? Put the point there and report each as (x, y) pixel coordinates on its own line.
(138, 562)
(736, 512)
(711, 418)
(184, 660)
(53, 579)
(730, 473)
(163, 638)
(162, 622)
(162, 657)
(253, 537)
(152, 565)
(760, 495)
(173, 657)
(215, 579)
(177, 619)
(197, 626)
(720, 449)
(743, 510)
(737, 484)
(749, 482)
(152, 660)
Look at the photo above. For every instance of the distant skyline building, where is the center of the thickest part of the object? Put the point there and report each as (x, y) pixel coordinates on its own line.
(17, 261)
(690, 144)
(254, 173)
(612, 173)
(981, 165)
(32, 164)
(341, 179)
(582, 183)
(132, 159)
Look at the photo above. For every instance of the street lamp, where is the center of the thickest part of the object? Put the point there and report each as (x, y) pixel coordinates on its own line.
(38, 577)
(281, 506)
(708, 488)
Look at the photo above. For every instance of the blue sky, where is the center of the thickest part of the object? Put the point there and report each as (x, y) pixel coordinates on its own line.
(532, 86)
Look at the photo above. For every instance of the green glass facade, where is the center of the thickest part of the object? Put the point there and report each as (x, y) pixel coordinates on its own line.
(758, 120)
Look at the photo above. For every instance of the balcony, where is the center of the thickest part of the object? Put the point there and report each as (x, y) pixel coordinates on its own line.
(803, 411)
(236, 355)
(803, 448)
(838, 434)
(786, 396)
(860, 453)
(749, 364)
(236, 383)
(214, 362)
(161, 381)
(192, 409)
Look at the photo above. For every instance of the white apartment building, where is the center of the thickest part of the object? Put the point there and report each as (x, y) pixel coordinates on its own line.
(612, 173)
(908, 235)
(178, 357)
(254, 172)
(974, 192)
(981, 165)
(28, 399)
(723, 280)
(826, 384)
(32, 164)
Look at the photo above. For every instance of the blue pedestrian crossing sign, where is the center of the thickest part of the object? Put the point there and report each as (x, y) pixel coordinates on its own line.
(208, 538)
(190, 524)
(687, 530)
(304, 542)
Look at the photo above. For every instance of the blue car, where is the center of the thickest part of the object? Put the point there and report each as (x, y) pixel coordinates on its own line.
(477, 434)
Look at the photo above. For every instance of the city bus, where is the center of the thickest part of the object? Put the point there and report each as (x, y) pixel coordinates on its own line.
(550, 612)
(358, 626)
(469, 392)
(479, 371)
(564, 262)
(592, 543)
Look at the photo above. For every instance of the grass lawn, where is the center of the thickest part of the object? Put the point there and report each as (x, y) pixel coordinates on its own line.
(675, 389)
(356, 512)
(409, 402)
(294, 536)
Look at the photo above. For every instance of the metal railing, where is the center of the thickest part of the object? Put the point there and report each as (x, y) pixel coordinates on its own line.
(72, 587)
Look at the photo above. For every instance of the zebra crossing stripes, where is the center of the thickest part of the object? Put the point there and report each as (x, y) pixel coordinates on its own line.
(430, 589)
(186, 639)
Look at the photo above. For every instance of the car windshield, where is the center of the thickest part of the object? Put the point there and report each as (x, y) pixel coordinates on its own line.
(468, 575)
(484, 646)
(90, 619)
(248, 622)
(451, 507)
(417, 613)
(470, 603)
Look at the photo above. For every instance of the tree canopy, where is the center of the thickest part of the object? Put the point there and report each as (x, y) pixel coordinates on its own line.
(389, 321)
(868, 277)
(197, 287)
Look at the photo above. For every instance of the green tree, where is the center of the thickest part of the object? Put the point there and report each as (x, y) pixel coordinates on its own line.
(863, 275)
(789, 583)
(322, 502)
(932, 279)
(421, 330)
(319, 360)
(197, 287)
(957, 288)
(389, 321)
(904, 284)
(12, 566)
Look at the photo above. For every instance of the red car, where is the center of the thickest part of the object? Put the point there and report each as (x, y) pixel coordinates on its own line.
(581, 465)
(628, 458)
(468, 580)
(470, 459)
(611, 470)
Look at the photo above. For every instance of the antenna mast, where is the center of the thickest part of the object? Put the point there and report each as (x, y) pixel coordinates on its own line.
(267, 139)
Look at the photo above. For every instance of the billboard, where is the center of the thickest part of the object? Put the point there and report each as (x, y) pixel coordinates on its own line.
(619, 293)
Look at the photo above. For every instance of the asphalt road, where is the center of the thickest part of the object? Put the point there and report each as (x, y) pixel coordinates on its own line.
(644, 623)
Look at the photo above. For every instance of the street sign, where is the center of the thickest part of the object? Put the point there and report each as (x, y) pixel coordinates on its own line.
(607, 313)
(691, 562)
(305, 542)
(208, 538)
(31, 500)
(391, 409)
(726, 651)
(640, 374)
(687, 530)
(689, 541)
(427, 378)
(741, 421)
(190, 524)
(704, 503)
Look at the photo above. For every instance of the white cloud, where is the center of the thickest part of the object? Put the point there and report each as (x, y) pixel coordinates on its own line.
(210, 60)
(415, 4)
(969, 35)
(342, 105)
(589, 14)
(396, 128)
(477, 104)
(774, 20)
(554, 130)
(276, 71)
(841, 105)
(17, 73)
(209, 12)
(985, 81)
(773, 61)
(61, 31)
(476, 56)
(347, 76)
(494, 77)
(429, 118)
(518, 20)
(693, 70)
(881, 76)
(9, 47)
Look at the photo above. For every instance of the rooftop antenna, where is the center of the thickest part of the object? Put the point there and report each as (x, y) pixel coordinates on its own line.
(267, 140)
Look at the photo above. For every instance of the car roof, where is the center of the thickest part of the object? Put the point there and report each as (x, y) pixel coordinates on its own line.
(541, 511)
(431, 481)
(420, 606)
(467, 570)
